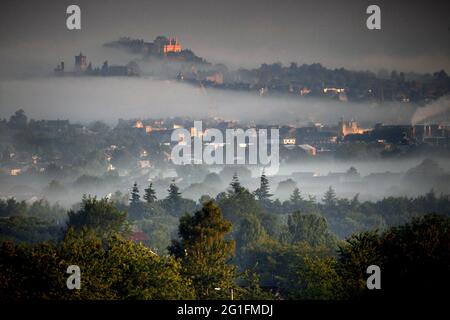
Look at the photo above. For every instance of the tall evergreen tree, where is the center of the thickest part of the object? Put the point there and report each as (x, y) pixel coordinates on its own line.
(329, 199)
(135, 198)
(173, 203)
(135, 209)
(150, 194)
(174, 192)
(296, 197)
(263, 192)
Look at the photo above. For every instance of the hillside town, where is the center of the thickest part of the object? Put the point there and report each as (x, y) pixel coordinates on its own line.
(301, 81)
(140, 149)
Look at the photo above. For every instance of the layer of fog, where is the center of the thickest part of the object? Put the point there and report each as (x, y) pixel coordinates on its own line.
(90, 98)
(376, 180)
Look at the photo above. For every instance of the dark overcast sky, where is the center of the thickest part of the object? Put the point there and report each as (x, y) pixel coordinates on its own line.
(415, 35)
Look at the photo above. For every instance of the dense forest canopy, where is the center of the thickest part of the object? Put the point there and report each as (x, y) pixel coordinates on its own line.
(258, 247)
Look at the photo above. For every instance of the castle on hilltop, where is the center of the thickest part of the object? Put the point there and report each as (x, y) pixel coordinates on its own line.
(172, 45)
(161, 46)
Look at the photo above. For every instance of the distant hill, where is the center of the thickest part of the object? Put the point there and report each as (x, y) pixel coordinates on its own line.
(162, 47)
(313, 80)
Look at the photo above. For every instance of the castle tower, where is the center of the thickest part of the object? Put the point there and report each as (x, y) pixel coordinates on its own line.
(342, 127)
(177, 45)
(80, 62)
(173, 45)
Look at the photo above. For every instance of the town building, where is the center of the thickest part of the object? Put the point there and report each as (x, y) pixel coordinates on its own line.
(350, 127)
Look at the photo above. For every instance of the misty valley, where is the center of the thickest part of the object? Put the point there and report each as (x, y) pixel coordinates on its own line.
(65, 184)
(238, 150)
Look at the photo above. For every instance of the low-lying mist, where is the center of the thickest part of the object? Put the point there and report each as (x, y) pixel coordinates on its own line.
(375, 179)
(90, 98)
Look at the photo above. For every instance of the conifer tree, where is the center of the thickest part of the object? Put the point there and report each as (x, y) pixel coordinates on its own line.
(296, 196)
(135, 202)
(329, 199)
(150, 194)
(174, 192)
(135, 197)
(263, 192)
(173, 203)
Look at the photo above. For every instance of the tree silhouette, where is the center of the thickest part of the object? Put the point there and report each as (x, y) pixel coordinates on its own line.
(18, 120)
(263, 192)
(99, 215)
(204, 252)
(296, 197)
(150, 194)
(329, 199)
(136, 209)
(173, 203)
(174, 193)
(135, 198)
(310, 228)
